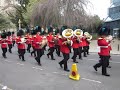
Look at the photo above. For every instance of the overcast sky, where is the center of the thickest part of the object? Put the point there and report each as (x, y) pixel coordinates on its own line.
(100, 7)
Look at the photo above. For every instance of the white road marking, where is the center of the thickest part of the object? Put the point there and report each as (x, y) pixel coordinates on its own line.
(7, 61)
(37, 68)
(20, 64)
(114, 62)
(91, 80)
(5, 87)
(55, 72)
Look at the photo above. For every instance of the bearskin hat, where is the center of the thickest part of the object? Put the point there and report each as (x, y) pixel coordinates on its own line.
(8, 33)
(38, 29)
(20, 33)
(50, 29)
(4, 35)
(104, 31)
(62, 29)
(13, 32)
(33, 32)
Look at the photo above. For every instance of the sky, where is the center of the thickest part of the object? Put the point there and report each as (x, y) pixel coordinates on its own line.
(100, 7)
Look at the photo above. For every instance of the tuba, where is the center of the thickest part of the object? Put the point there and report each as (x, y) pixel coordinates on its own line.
(88, 36)
(67, 33)
(78, 33)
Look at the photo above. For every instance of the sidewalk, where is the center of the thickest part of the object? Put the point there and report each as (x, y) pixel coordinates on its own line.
(114, 44)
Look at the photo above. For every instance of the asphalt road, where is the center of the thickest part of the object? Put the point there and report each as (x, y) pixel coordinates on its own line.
(18, 75)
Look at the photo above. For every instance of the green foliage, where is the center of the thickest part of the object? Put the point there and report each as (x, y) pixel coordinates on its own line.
(4, 23)
(19, 13)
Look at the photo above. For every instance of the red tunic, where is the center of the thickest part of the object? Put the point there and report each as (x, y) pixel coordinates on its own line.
(32, 40)
(64, 48)
(9, 39)
(83, 41)
(103, 44)
(3, 43)
(20, 44)
(50, 41)
(13, 37)
(75, 43)
(80, 44)
(28, 38)
(37, 41)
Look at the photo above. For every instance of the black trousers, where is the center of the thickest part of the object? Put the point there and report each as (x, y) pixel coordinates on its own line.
(80, 52)
(57, 47)
(13, 43)
(33, 52)
(84, 51)
(28, 47)
(87, 50)
(10, 47)
(51, 50)
(21, 53)
(104, 63)
(64, 61)
(75, 54)
(4, 52)
(39, 55)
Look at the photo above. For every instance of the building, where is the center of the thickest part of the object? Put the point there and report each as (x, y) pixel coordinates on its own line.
(114, 18)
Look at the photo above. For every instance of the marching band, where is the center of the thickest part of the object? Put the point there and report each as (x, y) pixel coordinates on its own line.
(64, 40)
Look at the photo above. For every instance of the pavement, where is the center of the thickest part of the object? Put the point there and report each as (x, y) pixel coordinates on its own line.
(115, 47)
(18, 75)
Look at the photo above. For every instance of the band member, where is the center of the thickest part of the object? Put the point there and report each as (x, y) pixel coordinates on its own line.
(13, 38)
(88, 40)
(64, 48)
(33, 33)
(57, 44)
(75, 47)
(80, 48)
(9, 39)
(38, 43)
(21, 44)
(28, 42)
(51, 43)
(84, 45)
(104, 50)
(3, 42)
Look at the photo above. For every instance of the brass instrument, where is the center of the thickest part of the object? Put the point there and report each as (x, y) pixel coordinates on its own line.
(78, 33)
(67, 33)
(23, 40)
(88, 36)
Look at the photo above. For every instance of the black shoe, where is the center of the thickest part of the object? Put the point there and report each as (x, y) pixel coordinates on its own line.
(23, 60)
(59, 56)
(19, 57)
(95, 68)
(47, 55)
(67, 70)
(61, 65)
(52, 59)
(75, 61)
(109, 67)
(108, 75)
(31, 54)
(5, 57)
(39, 64)
(80, 58)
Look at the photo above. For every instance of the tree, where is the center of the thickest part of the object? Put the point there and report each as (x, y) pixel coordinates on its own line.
(4, 23)
(19, 13)
(68, 12)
